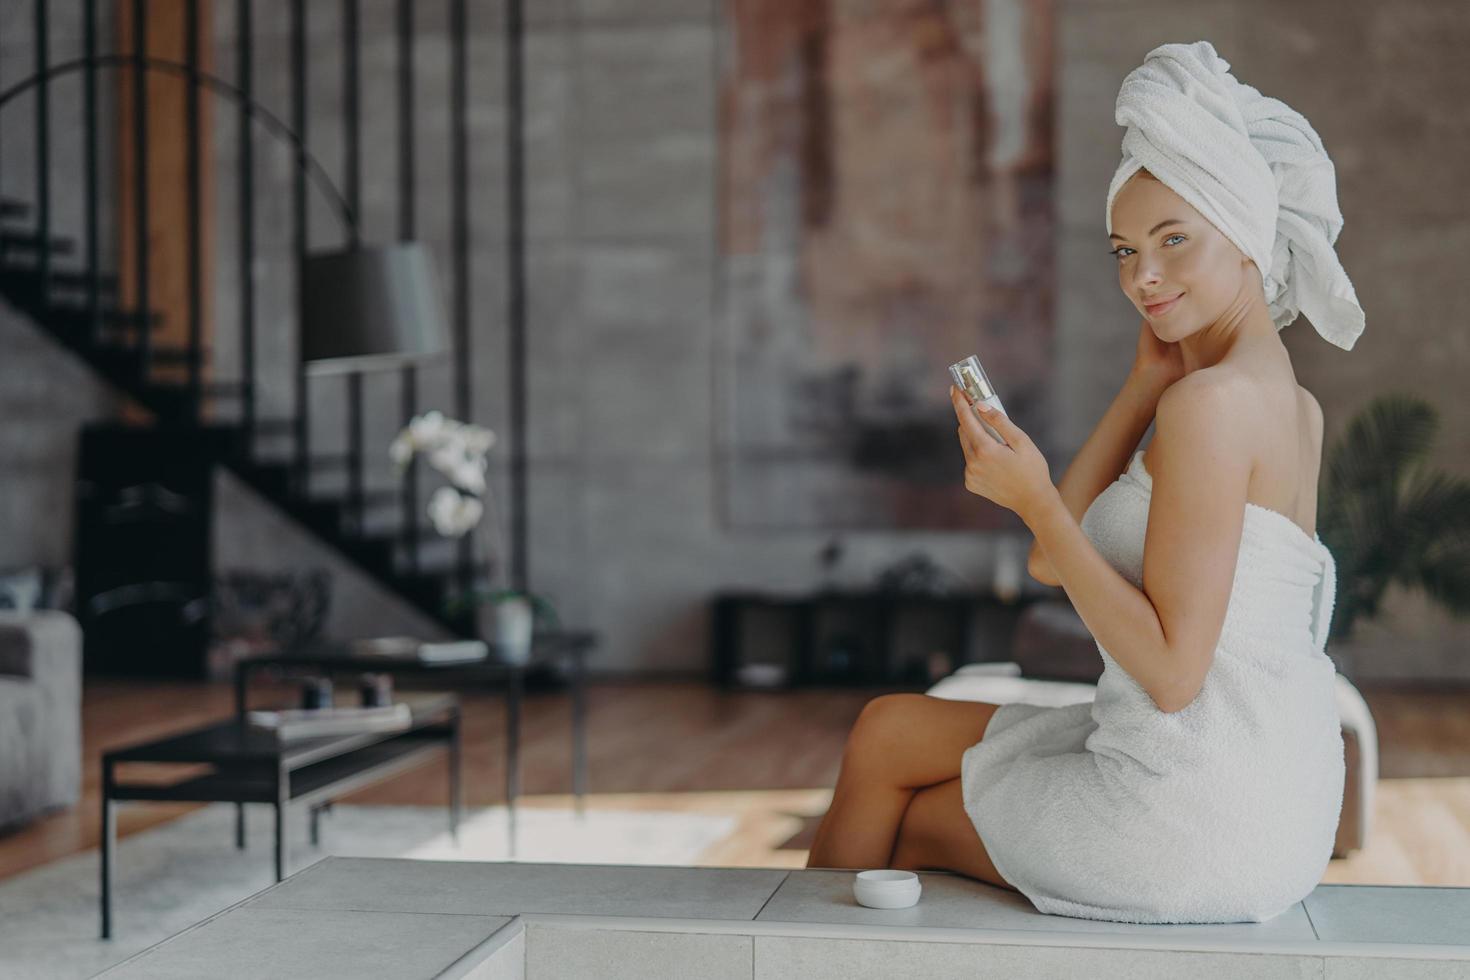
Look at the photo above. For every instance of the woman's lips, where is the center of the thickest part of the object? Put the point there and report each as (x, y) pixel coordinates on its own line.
(1163, 307)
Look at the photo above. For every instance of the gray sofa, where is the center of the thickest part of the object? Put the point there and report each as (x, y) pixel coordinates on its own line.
(40, 714)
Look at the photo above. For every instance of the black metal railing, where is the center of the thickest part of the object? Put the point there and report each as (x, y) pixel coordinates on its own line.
(404, 34)
(244, 63)
(120, 335)
(139, 110)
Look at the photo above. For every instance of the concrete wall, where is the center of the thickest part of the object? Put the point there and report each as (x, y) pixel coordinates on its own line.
(623, 160)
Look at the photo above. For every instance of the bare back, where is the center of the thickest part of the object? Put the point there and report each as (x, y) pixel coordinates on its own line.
(1288, 458)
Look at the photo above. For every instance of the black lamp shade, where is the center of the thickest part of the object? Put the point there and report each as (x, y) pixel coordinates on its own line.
(371, 308)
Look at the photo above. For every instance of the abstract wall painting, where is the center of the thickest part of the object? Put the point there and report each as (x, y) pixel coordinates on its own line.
(886, 208)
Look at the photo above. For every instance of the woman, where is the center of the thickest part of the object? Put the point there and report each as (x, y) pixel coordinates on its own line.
(1204, 781)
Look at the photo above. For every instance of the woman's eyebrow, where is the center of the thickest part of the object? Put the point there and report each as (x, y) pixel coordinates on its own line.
(1162, 224)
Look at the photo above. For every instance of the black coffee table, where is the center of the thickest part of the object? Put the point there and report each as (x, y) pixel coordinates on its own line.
(251, 766)
(547, 646)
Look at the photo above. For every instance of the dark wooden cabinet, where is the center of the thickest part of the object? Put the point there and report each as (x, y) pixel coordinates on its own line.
(142, 547)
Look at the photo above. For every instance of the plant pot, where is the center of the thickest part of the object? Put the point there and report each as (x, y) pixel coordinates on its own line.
(505, 623)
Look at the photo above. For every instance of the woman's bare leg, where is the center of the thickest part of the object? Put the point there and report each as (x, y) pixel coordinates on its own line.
(863, 820)
(900, 744)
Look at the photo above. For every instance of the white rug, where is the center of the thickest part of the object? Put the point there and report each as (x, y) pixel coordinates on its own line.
(171, 876)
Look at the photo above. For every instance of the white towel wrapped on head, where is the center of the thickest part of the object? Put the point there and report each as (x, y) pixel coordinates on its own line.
(1254, 167)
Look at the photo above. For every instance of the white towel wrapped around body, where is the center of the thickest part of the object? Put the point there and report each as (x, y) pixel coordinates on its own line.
(1225, 811)
(1254, 167)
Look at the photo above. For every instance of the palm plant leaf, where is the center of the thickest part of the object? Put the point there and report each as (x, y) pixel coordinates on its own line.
(1436, 516)
(1387, 518)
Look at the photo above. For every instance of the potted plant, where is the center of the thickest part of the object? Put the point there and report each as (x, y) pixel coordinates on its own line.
(504, 617)
(1387, 517)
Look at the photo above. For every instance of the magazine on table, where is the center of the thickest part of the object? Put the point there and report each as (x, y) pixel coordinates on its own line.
(293, 723)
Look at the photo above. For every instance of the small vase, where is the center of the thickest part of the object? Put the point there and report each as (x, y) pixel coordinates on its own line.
(506, 623)
(1006, 579)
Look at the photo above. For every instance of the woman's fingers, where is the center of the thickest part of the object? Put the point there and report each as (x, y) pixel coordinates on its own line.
(970, 426)
(965, 443)
(1002, 423)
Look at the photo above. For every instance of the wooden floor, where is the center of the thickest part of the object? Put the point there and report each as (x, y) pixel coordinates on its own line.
(770, 758)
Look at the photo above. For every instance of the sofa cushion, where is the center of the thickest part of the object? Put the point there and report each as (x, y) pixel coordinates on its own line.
(1003, 684)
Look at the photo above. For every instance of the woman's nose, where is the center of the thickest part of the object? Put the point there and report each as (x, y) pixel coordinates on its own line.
(1145, 274)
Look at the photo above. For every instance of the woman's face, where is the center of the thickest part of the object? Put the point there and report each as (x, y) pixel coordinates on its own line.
(1165, 248)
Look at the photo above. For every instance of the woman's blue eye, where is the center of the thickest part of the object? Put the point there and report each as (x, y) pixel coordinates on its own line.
(1120, 248)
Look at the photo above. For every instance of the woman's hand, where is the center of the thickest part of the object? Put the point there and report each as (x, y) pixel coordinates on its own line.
(1014, 474)
(1156, 360)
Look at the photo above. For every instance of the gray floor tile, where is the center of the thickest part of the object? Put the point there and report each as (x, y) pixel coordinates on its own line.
(799, 958)
(1393, 968)
(514, 887)
(321, 945)
(573, 953)
(955, 901)
(1390, 914)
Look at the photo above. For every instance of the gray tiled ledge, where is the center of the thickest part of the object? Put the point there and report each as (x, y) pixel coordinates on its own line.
(563, 920)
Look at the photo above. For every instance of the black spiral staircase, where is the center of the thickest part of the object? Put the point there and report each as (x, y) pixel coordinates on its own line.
(58, 282)
(107, 339)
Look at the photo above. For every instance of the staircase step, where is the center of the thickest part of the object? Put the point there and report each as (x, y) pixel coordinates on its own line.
(427, 589)
(371, 498)
(80, 279)
(74, 324)
(128, 355)
(22, 284)
(172, 355)
(209, 389)
(333, 461)
(317, 461)
(434, 586)
(31, 242)
(107, 314)
(424, 533)
(66, 288)
(175, 402)
(278, 480)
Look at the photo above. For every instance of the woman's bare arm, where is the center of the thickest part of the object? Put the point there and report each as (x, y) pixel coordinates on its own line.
(1103, 456)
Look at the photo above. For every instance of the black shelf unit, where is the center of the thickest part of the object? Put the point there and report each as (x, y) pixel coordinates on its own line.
(144, 513)
(848, 637)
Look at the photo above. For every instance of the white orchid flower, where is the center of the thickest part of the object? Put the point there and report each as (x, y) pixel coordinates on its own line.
(468, 474)
(460, 460)
(400, 450)
(458, 451)
(453, 513)
(428, 428)
(479, 438)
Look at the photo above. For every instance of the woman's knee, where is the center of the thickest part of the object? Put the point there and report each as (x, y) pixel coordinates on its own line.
(881, 721)
(914, 739)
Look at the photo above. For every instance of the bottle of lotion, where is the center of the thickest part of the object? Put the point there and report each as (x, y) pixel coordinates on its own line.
(970, 378)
